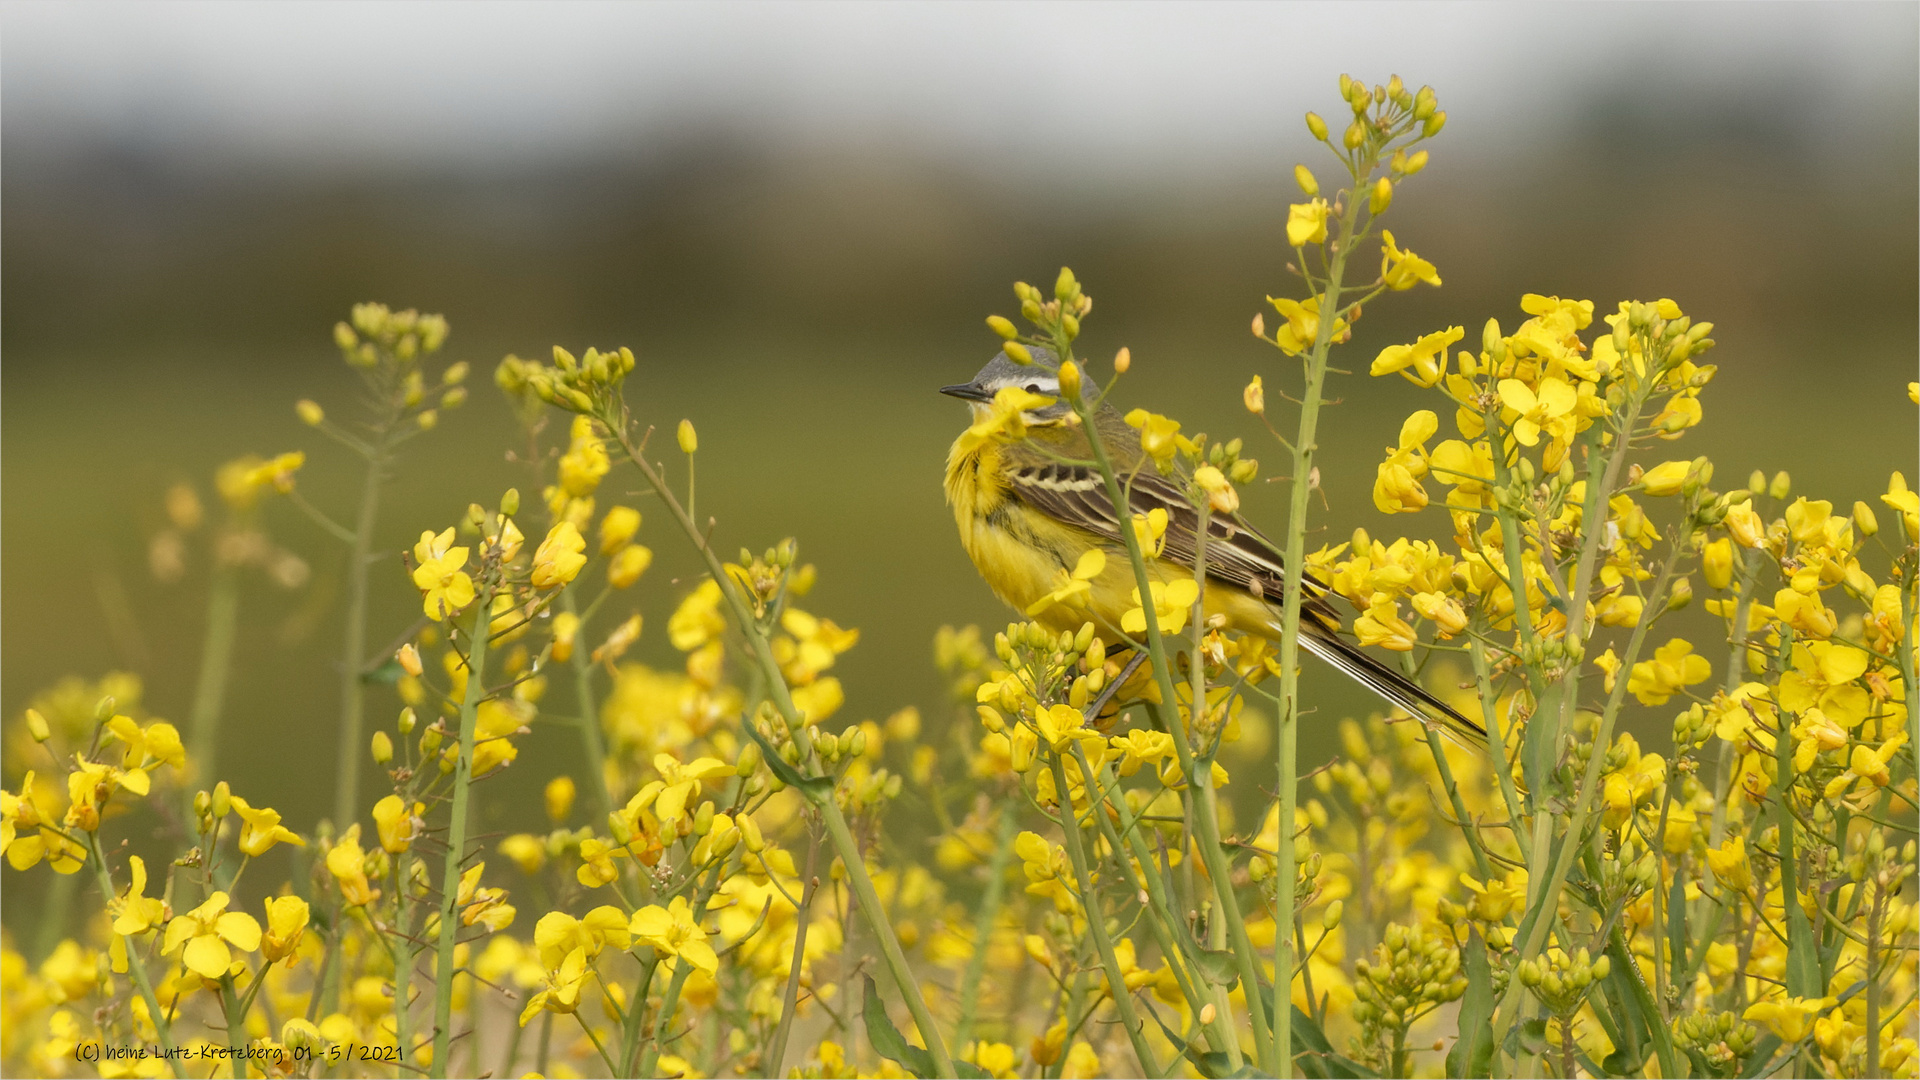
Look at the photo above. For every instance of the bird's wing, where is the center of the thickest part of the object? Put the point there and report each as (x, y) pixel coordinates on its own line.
(1237, 553)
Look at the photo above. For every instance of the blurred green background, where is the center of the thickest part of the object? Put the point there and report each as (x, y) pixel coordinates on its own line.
(797, 217)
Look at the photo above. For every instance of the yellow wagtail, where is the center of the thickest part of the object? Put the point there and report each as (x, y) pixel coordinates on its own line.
(1028, 511)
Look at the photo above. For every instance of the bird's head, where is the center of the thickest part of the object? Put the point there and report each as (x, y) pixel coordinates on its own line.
(1042, 376)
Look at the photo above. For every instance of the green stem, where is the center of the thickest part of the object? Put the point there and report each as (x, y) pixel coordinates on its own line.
(591, 741)
(457, 831)
(984, 922)
(346, 791)
(844, 844)
(134, 966)
(1097, 919)
(776, 1060)
(1540, 909)
(216, 661)
(402, 951)
(1206, 807)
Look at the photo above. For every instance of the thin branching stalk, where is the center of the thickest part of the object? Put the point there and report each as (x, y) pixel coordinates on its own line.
(135, 966)
(346, 790)
(1096, 918)
(844, 844)
(457, 830)
(216, 663)
(984, 922)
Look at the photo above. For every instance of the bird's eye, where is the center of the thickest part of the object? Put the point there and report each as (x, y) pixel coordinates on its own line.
(1033, 388)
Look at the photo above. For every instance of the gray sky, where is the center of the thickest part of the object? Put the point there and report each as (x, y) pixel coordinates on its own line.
(1156, 88)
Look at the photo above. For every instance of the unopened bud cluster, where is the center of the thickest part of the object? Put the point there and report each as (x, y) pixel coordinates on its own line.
(1413, 971)
(1722, 1040)
(580, 385)
(1560, 980)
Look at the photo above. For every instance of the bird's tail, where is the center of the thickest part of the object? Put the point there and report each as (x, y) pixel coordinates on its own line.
(1391, 685)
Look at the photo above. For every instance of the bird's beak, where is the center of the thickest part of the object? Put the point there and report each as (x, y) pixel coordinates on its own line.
(968, 391)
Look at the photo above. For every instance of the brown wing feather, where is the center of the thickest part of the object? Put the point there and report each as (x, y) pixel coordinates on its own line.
(1237, 553)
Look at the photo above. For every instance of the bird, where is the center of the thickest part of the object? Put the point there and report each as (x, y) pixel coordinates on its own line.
(1029, 508)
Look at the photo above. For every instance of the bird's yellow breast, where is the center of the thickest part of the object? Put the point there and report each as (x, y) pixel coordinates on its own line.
(1023, 554)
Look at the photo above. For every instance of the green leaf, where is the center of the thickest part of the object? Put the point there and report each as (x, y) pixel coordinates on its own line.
(1472, 1053)
(388, 673)
(886, 1039)
(1533, 1037)
(814, 787)
(1760, 1061)
(1313, 1055)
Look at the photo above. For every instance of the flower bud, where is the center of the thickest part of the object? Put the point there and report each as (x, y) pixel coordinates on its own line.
(1304, 177)
(1355, 136)
(1064, 286)
(409, 658)
(1070, 380)
(1017, 353)
(382, 748)
(1782, 485)
(407, 721)
(1863, 520)
(1716, 563)
(1381, 197)
(1255, 397)
(222, 799)
(1122, 360)
(1207, 1013)
(1415, 162)
(344, 336)
(310, 412)
(1003, 327)
(689, 440)
(1434, 124)
(1681, 594)
(37, 726)
(1317, 127)
(1330, 918)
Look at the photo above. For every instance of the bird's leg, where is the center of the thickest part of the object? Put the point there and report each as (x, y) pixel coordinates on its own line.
(1114, 684)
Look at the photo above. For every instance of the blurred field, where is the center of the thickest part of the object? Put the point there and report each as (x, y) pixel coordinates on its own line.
(161, 315)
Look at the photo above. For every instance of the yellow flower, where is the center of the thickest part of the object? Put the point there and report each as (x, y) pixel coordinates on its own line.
(202, 937)
(1673, 668)
(286, 925)
(1535, 411)
(1867, 764)
(559, 556)
(262, 829)
(347, 863)
(27, 840)
(444, 588)
(1424, 362)
(1159, 436)
(1745, 526)
(1396, 486)
(1788, 1017)
(1824, 676)
(1403, 270)
(1666, 477)
(1716, 563)
(1303, 324)
(585, 461)
(1172, 603)
(1307, 223)
(1141, 747)
(678, 783)
(1498, 898)
(672, 932)
(628, 564)
(618, 528)
(1003, 420)
(1150, 529)
(558, 934)
(1382, 625)
(564, 983)
(1221, 496)
(559, 796)
(495, 724)
(394, 822)
(1446, 614)
(1060, 724)
(697, 620)
(487, 907)
(1730, 866)
(136, 912)
(91, 784)
(1905, 501)
(596, 862)
(1071, 590)
(526, 850)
